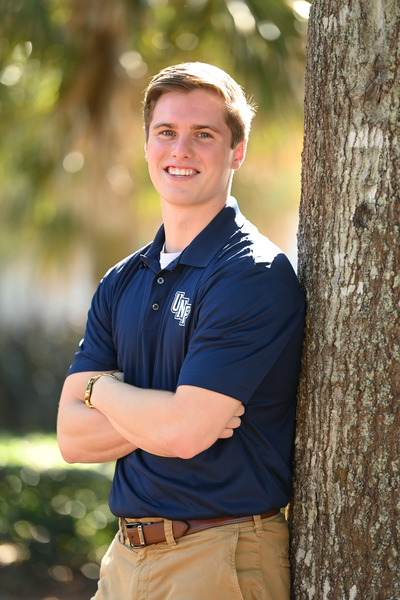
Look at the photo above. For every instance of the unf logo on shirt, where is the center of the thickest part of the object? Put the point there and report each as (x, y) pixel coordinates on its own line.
(180, 307)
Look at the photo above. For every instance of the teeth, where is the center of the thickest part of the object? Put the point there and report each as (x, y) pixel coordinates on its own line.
(181, 172)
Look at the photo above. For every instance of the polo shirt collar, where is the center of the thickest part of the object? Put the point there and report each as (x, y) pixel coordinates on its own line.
(207, 243)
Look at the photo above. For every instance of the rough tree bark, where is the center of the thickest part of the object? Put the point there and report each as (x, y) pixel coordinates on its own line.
(345, 510)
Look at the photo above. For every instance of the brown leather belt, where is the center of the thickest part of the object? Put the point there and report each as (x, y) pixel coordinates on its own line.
(145, 534)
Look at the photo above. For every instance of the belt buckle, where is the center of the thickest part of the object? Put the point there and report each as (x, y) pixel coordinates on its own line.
(139, 528)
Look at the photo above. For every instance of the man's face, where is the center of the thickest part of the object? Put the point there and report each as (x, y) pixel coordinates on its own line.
(189, 152)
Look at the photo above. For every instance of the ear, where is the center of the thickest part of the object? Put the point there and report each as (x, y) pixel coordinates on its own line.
(239, 154)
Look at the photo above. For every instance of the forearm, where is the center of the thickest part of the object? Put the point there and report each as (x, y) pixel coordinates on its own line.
(172, 424)
(138, 415)
(85, 435)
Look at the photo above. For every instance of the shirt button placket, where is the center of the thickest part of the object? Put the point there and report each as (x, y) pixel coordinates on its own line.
(156, 306)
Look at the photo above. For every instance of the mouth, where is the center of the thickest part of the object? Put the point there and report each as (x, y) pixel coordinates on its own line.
(181, 172)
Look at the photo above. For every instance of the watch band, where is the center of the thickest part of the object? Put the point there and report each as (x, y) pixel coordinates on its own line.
(89, 386)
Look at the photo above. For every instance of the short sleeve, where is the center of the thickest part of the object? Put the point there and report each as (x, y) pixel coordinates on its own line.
(245, 319)
(96, 349)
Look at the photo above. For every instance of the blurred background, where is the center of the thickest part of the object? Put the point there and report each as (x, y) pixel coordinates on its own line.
(75, 198)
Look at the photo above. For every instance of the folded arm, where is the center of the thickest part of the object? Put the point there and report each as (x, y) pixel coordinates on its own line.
(180, 424)
(85, 435)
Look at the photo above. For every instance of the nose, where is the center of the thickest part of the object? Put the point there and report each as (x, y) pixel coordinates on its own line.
(182, 147)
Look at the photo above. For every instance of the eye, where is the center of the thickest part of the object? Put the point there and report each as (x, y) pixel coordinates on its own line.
(204, 134)
(167, 133)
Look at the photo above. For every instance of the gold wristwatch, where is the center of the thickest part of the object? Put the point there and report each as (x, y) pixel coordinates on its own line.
(89, 386)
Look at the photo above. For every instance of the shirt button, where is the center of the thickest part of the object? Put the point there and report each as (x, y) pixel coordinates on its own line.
(160, 280)
(155, 306)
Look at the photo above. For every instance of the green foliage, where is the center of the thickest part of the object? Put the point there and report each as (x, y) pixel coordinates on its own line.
(69, 69)
(251, 39)
(55, 526)
(33, 366)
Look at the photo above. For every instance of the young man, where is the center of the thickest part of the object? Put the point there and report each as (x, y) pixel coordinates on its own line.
(202, 322)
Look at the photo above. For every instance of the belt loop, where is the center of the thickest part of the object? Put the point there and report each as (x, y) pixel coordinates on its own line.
(258, 528)
(124, 537)
(169, 534)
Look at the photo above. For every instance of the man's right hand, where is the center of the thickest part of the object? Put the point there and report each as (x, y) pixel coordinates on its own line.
(233, 424)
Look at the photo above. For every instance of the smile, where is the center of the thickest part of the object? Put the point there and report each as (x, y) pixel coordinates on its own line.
(180, 172)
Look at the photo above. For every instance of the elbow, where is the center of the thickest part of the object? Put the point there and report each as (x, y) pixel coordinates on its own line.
(68, 458)
(186, 452)
(187, 445)
(67, 451)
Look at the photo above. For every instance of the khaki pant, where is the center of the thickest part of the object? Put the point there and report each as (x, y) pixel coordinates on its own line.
(246, 561)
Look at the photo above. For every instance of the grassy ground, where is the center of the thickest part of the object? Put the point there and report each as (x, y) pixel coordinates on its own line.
(55, 524)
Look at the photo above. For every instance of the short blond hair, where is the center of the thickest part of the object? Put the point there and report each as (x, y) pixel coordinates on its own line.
(187, 77)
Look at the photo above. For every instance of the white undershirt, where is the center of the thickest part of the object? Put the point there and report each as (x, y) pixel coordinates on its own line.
(167, 257)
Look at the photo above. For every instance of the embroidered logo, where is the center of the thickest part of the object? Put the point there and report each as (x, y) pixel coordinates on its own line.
(180, 307)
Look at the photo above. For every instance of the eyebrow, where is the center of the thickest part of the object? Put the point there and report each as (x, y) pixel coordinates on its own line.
(194, 127)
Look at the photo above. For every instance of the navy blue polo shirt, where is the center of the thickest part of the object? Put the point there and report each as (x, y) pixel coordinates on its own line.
(226, 315)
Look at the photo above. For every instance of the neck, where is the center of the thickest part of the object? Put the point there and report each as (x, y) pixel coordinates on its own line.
(182, 224)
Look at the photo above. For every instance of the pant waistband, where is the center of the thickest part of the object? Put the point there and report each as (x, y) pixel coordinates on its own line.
(146, 534)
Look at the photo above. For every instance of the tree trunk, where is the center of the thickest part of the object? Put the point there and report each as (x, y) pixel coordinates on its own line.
(344, 515)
